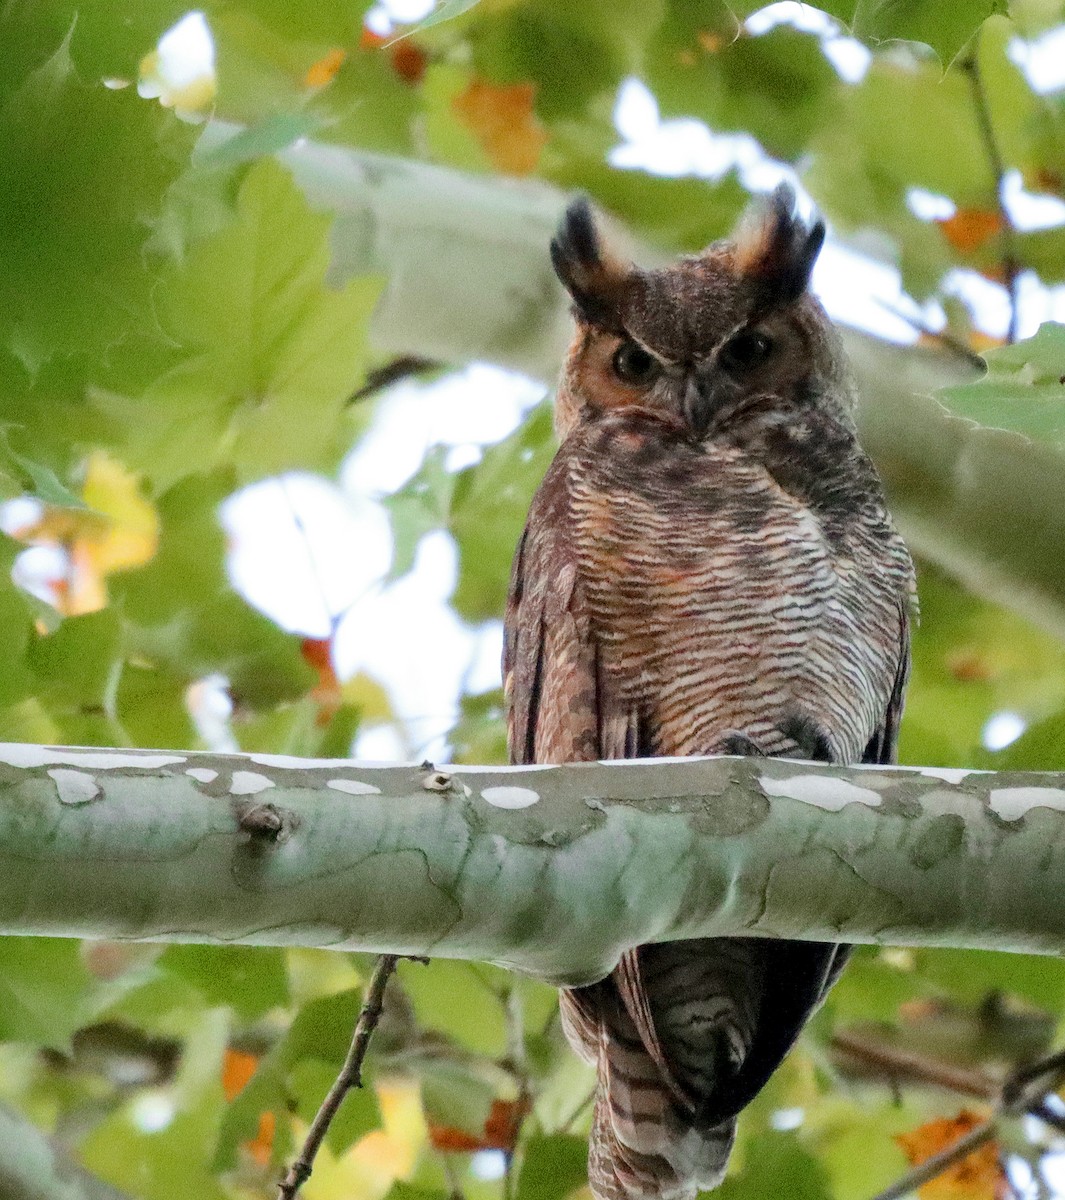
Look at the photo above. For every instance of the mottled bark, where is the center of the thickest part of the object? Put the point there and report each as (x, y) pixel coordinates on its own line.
(553, 870)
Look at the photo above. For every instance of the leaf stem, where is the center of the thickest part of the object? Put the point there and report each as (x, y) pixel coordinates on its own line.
(350, 1077)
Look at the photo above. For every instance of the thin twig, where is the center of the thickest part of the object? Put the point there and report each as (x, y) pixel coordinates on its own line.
(938, 1163)
(1011, 263)
(392, 372)
(574, 1116)
(1013, 1101)
(350, 1077)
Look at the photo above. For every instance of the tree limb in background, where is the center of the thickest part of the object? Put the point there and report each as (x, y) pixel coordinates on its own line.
(350, 1077)
(33, 1168)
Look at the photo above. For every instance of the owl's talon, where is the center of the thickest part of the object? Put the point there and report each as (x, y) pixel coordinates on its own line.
(740, 745)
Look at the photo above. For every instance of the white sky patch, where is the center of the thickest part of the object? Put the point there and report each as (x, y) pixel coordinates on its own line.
(783, 1119)
(152, 1112)
(474, 407)
(210, 706)
(23, 512)
(74, 787)
(1030, 210)
(929, 206)
(186, 51)
(1012, 803)
(378, 743)
(249, 783)
(1002, 730)
(302, 550)
(386, 15)
(850, 58)
(353, 787)
(510, 797)
(821, 790)
(488, 1164)
(1042, 61)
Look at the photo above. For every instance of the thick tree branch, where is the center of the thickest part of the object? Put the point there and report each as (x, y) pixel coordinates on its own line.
(554, 870)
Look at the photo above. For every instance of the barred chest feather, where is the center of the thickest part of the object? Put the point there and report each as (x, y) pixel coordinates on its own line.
(739, 584)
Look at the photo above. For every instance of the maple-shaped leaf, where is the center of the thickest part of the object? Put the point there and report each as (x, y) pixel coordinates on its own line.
(977, 1176)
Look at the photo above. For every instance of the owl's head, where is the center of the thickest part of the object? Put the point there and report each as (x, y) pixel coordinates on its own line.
(707, 341)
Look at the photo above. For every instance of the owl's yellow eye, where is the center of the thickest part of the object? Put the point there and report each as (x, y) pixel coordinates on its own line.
(745, 351)
(633, 364)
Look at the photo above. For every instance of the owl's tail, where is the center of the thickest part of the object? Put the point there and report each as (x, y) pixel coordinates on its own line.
(654, 1153)
(648, 1137)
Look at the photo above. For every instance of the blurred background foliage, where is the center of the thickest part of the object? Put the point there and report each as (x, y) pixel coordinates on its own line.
(170, 333)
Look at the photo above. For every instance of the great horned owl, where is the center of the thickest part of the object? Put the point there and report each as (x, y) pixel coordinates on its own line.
(708, 566)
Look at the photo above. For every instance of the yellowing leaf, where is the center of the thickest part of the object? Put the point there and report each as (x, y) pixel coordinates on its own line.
(325, 69)
(377, 1160)
(118, 529)
(978, 1176)
(503, 121)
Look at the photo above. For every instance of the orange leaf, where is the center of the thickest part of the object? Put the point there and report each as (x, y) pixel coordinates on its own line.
(238, 1066)
(261, 1146)
(503, 121)
(237, 1069)
(978, 1176)
(325, 69)
(501, 1129)
(409, 62)
(327, 692)
(368, 40)
(970, 228)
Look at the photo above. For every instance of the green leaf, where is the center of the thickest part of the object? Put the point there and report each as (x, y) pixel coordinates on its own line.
(1023, 390)
(309, 1083)
(778, 87)
(251, 979)
(552, 1167)
(321, 1032)
(83, 170)
(45, 991)
(776, 1164)
(458, 999)
(445, 10)
(272, 354)
(945, 25)
(21, 474)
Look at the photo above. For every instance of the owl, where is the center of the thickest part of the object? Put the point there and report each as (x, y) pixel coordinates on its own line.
(708, 567)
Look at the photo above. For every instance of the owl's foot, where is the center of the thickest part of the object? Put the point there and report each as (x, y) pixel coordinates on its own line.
(811, 739)
(739, 744)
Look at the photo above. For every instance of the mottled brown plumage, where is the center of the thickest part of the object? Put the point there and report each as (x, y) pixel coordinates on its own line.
(707, 567)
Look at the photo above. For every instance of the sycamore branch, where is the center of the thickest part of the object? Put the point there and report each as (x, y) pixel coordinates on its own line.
(553, 870)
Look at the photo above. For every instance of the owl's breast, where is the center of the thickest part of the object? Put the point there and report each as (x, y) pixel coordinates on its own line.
(719, 602)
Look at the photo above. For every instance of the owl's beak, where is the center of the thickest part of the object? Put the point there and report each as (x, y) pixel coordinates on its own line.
(700, 403)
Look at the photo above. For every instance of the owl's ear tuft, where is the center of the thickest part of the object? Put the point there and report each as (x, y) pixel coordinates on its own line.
(776, 249)
(594, 277)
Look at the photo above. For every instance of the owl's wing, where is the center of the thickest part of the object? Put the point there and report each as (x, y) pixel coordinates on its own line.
(559, 706)
(800, 974)
(883, 745)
